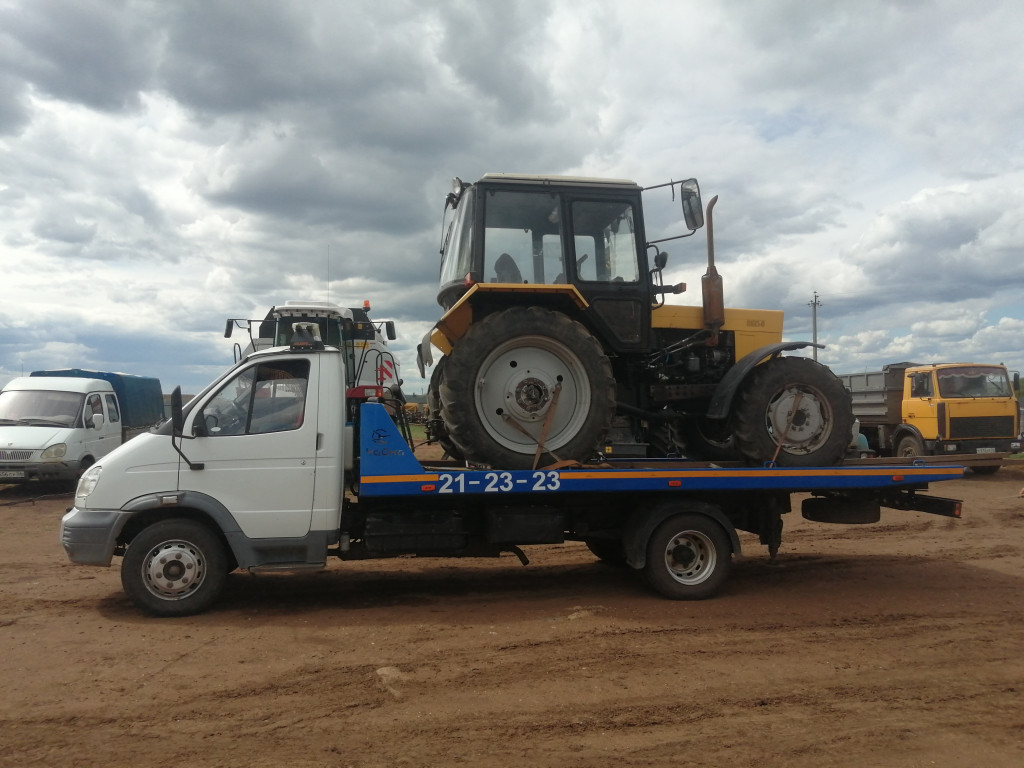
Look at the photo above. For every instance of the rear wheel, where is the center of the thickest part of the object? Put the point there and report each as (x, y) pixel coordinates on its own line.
(436, 428)
(524, 376)
(795, 411)
(688, 557)
(174, 568)
(608, 551)
(986, 469)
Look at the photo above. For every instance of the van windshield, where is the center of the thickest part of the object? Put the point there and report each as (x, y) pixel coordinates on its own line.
(40, 408)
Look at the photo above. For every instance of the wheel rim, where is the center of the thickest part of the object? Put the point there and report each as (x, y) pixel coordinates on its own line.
(908, 449)
(690, 557)
(518, 380)
(803, 416)
(174, 569)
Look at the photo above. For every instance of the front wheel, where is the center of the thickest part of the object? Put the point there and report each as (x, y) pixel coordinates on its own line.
(688, 557)
(174, 568)
(909, 447)
(795, 412)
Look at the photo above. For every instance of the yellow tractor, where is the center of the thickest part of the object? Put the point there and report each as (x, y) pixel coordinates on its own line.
(557, 343)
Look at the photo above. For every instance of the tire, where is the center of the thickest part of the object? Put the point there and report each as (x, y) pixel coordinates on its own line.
(174, 568)
(703, 443)
(688, 557)
(988, 469)
(608, 551)
(817, 432)
(909, 447)
(508, 365)
(438, 429)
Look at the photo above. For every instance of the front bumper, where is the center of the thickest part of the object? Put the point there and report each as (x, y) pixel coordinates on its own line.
(89, 536)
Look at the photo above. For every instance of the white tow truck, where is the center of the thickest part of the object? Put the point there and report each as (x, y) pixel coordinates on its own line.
(278, 464)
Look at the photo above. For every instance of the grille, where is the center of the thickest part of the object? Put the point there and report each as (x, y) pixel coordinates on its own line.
(981, 426)
(15, 455)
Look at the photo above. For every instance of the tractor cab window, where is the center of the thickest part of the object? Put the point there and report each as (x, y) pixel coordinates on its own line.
(457, 252)
(263, 398)
(605, 242)
(523, 238)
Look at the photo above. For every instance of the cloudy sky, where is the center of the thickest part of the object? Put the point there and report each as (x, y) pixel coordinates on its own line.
(166, 165)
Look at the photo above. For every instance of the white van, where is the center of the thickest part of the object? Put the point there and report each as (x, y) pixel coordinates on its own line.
(53, 428)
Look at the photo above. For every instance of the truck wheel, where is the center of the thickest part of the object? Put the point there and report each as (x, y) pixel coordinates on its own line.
(498, 393)
(909, 447)
(437, 429)
(608, 551)
(688, 557)
(987, 469)
(174, 568)
(800, 399)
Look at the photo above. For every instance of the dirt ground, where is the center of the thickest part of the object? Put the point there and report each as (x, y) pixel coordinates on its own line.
(893, 644)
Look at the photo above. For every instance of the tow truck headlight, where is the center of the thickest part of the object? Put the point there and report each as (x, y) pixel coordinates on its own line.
(55, 451)
(87, 483)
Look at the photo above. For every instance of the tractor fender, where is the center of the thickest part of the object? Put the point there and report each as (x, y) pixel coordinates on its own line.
(641, 524)
(721, 401)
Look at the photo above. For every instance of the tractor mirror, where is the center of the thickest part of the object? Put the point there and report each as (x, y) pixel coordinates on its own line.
(660, 260)
(693, 213)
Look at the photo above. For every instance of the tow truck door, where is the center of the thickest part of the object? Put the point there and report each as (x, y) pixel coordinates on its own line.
(256, 439)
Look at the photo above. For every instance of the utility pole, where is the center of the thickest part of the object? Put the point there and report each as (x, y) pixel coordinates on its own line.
(814, 323)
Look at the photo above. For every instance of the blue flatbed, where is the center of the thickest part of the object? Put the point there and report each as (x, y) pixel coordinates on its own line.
(389, 468)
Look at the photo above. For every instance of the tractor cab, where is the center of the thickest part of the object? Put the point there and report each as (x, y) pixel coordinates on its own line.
(572, 244)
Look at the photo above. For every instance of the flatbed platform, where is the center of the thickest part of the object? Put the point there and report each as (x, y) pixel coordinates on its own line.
(388, 467)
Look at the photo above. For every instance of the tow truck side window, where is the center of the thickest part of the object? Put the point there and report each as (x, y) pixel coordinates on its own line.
(260, 399)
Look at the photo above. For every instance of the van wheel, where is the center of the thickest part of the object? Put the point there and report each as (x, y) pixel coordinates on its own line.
(688, 557)
(174, 568)
(795, 411)
(500, 384)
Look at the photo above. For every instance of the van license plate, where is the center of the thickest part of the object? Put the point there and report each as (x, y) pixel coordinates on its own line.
(986, 450)
(10, 473)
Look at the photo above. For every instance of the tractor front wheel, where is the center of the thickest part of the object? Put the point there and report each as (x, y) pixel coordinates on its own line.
(795, 412)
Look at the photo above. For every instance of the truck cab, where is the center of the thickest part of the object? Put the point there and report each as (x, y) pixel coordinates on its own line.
(958, 408)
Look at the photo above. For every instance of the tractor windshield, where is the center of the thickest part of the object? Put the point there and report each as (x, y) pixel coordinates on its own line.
(457, 254)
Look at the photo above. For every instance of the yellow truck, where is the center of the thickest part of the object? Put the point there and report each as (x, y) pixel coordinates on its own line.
(947, 409)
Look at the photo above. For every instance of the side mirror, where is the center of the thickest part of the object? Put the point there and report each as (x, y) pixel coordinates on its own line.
(389, 330)
(693, 212)
(229, 328)
(1016, 381)
(660, 260)
(97, 420)
(177, 417)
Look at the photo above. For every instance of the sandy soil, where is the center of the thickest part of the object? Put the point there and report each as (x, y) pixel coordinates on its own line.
(893, 644)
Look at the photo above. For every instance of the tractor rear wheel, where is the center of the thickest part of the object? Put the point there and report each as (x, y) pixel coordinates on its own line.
(794, 411)
(436, 428)
(522, 377)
